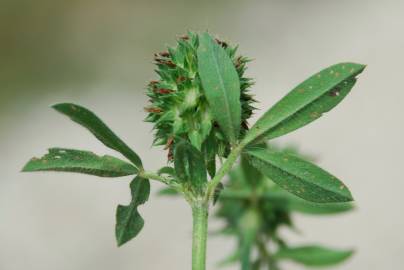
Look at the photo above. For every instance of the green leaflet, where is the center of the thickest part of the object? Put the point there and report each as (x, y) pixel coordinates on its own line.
(68, 160)
(312, 111)
(306, 102)
(290, 202)
(221, 85)
(306, 207)
(294, 203)
(95, 125)
(128, 220)
(299, 177)
(314, 255)
(190, 166)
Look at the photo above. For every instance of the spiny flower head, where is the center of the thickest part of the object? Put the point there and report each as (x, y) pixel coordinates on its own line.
(178, 107)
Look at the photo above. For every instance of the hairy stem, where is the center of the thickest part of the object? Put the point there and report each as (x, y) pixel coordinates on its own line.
(155, 176)
(224, 169)
(199, 235)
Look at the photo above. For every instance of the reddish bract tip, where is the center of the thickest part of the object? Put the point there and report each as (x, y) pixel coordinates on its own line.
(153, 110)
(163, 91)
(165, 54)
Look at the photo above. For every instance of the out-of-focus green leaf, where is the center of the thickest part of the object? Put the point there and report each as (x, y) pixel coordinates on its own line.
(128, 220)
(314, 255)
(289, 201)
(294, 203)
(256, 265)
(248, 226)
(190, 165)
(299, 177)
(306, 102)
(68, 160)
(235, 194)
(168, 192)
(100, 130)
(306, 207)
(221, 85)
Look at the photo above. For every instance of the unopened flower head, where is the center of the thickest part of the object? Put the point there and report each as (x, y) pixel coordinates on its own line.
(178, 107)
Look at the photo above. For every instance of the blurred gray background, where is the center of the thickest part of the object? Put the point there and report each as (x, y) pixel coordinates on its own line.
(99, 54)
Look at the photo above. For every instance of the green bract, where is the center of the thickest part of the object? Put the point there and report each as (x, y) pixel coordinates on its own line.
(198, 100)
(190, 167)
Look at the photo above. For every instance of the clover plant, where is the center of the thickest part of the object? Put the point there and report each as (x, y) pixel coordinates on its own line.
(199, 106)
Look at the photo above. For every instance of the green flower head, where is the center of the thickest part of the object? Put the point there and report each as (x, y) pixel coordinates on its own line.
(178, 107)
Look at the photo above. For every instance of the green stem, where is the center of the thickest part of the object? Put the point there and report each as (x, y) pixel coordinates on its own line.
(199, 235)
(155, 176)
(224, 169)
